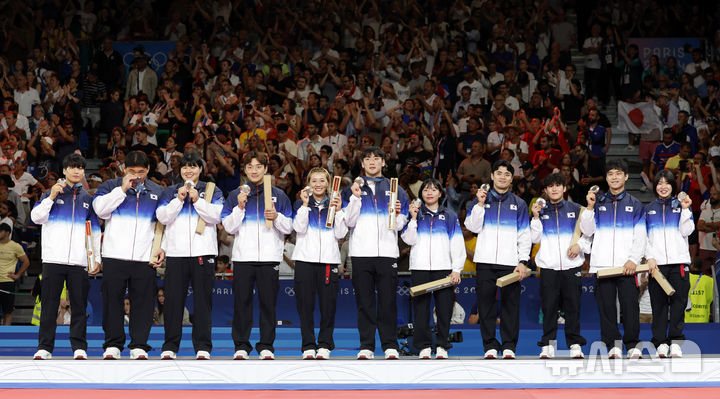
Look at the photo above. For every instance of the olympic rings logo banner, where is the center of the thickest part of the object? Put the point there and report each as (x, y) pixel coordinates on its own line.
(157, 53)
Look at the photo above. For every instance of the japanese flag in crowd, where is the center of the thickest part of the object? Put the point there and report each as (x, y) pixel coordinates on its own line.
(638, 117)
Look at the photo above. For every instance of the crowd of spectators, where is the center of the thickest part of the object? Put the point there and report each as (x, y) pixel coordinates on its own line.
(443, 87)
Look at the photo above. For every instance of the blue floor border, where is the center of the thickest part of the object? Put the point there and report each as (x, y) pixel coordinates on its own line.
(362, 387)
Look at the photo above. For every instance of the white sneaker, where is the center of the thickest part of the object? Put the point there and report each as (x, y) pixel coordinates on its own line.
(240, 355)
(112, 353)
(675, 351)
(266, 354)
(168, 355)
(576, 351)
(79, 354)
(322, 354)
(138, 354)
(42, 354)
(491, 354)
(365, 354)
(425, 353)
(548, 352)
(634, 353)
(614, 353)
(308, 354)
(508, 354)
(441, 353)
(202, 355)
(663, 350)
(391, 354)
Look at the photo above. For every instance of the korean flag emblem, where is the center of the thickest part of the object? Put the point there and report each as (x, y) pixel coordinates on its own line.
(571, 215)
(86, 205)
(441, 217)
(153, 197)
(513, 207)
(628, 209)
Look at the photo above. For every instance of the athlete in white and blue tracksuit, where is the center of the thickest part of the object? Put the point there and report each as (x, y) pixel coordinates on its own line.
(615, 220)
(317, 256)
(437, 250)
(502, 222)
(669, 222)
(553, 227)
(256, 254)
(190, 257)
(63, 211)
(128, 207)
(374, 251)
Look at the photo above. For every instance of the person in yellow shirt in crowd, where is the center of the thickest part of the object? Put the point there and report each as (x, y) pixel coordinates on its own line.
(700, 296)
(252, 130)
(470, 242)
(681, 163)
(10, 253)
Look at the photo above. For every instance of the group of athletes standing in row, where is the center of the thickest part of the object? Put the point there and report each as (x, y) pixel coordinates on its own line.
(617, 231)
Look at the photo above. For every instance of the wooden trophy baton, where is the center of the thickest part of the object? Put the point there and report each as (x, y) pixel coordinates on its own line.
(330, 220)
(618, 271)
(157, 241)
(392, 216)
(507, 279)
(267, 189)
(431, 286)
(89, 247)
(209, 191)
(577, 233)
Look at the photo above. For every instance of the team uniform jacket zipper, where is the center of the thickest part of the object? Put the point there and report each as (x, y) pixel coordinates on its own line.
(320, 235)
(432, 220)
(667, 259)
(72, 224)
(137, 206)
(497, 231)
(614, 223)
(257, 217)
(557, 224)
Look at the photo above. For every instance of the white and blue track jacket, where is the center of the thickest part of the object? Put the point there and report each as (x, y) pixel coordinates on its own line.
(181, 219)
(129, 219)
(617, 224)
(367, 219)
(554, 231)
(253, 241)
(316, 243)
(63, 226)
(436, 240)
(668, 227)
(503, 229)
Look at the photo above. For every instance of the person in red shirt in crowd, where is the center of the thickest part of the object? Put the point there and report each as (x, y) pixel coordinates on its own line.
(697, 185)
(547, 159)
(557, 128)
(222, 268)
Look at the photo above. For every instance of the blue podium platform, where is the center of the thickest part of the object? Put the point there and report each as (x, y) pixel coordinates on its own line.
(21, 341)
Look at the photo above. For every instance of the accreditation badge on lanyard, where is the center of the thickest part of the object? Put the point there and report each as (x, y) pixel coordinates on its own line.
(626, 75)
